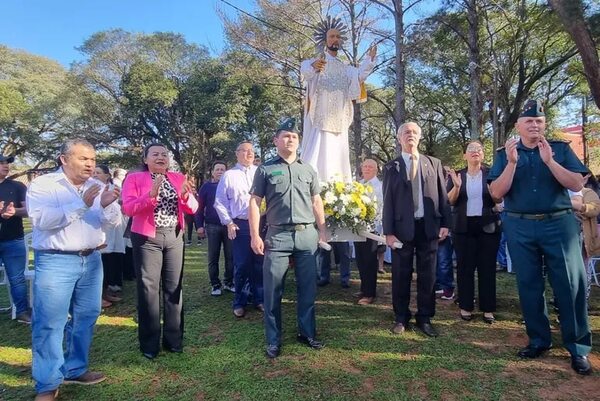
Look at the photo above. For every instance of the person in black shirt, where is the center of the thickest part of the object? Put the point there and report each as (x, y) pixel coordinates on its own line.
(12, 244)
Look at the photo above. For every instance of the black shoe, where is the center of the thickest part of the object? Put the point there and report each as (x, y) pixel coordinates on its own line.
(175, 350)
(273, 351)
(322, 283)
(149, 355)
(311, 342)
(532, 351)
(581, 365)
(427, 329)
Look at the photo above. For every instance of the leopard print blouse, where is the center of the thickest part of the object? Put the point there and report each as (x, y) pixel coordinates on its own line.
(166, 210)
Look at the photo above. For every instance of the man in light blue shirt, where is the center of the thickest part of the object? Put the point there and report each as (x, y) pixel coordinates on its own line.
(231, 203)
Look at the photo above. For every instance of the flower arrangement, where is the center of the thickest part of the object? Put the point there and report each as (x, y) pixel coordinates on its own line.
(349, 205)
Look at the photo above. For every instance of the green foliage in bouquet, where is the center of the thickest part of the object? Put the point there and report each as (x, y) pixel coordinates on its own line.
(349, 205)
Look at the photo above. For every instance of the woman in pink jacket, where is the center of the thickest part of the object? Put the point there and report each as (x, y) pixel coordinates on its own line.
(156, 199)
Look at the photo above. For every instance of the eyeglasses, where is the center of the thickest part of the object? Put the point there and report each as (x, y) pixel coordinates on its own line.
(474, 149)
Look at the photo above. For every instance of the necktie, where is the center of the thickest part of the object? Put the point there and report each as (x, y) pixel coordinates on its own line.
(414, 180)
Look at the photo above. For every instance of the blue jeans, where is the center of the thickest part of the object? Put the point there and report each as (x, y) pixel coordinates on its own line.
(445, 270)
(247, 267)
(501, 256)
(63, 285)
(14, 257)
(324, 262)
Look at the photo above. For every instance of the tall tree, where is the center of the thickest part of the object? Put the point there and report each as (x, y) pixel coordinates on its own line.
(571, 13)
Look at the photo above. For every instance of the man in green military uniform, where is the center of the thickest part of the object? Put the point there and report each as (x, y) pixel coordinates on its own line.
(533, 175)
(291, 190)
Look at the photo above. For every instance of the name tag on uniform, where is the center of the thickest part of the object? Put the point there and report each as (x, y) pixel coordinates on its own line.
(276, 173)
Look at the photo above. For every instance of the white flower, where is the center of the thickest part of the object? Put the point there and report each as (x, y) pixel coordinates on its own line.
(329, 197)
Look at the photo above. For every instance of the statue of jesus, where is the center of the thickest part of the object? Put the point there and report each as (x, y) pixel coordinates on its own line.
(331, 86)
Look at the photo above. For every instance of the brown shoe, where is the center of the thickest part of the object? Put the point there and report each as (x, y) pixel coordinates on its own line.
(106, 304)
(87, 378)
(47, 396)
(239, 312)
(399, 328)
(366, 300)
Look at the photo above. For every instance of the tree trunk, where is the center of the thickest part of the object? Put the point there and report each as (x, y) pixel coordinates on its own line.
(400, 109)
(476, 110)
(571, 15)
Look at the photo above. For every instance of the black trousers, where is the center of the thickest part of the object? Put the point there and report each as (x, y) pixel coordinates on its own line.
(476, 250)
(158, 265)
(402, 270)
(216, 235)
(112, 264)
(366, 261)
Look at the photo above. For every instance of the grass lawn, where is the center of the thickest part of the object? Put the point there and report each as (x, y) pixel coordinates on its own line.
(224, 357)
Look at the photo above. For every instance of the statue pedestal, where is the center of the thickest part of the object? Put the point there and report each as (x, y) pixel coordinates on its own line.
(342, 234)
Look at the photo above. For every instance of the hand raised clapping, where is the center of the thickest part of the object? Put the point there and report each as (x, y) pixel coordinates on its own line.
(156, 185)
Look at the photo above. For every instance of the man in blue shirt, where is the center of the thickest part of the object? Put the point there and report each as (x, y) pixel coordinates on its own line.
(533, 174)
(208, 225)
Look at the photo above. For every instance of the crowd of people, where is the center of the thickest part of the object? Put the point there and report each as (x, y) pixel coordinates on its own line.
(268, 217)
(93, 228)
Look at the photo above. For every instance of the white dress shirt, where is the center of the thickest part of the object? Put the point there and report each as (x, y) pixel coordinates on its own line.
(420, 212)
(233, 193)
(60, 218)
(375, 183)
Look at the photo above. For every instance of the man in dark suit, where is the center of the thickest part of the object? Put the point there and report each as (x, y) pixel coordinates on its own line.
(416, 213)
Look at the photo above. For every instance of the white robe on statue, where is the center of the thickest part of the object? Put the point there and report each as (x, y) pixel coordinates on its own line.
(328, 114)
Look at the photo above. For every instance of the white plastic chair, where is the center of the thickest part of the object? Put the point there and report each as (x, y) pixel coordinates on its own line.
(4, 281)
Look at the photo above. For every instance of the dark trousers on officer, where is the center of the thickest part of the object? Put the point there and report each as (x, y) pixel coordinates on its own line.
(247, 267)
(556, 239)
(402, 270)
(280, 244)
(476, 250)
(366, 261)
(159, 265)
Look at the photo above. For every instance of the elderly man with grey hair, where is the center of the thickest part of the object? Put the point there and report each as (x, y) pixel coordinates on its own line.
(415, 212)
(68, 211)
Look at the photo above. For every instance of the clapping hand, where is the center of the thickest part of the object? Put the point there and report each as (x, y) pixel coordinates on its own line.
(545, 151)
(511, 150)
(90, 194)
(186, 188)
(109, 195)
(456, 178)
(8, 211)
(156, 185)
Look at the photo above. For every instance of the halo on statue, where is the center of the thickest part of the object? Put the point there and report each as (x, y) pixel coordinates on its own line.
(321, 29)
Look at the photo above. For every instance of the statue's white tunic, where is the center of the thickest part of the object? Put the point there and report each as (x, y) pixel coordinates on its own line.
(328, 113)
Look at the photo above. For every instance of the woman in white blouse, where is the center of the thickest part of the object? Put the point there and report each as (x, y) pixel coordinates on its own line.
(476, 234)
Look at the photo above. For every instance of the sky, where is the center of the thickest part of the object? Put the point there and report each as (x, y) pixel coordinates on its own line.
(54, 28)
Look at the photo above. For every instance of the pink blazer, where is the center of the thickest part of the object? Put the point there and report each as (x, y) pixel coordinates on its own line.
(138, 204)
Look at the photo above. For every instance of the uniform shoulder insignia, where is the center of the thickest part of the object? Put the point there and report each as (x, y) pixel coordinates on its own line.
(559, 140)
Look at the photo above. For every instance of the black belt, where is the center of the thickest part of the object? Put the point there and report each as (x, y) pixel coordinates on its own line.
(292, 227)
(83, 252)
(541, 216)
